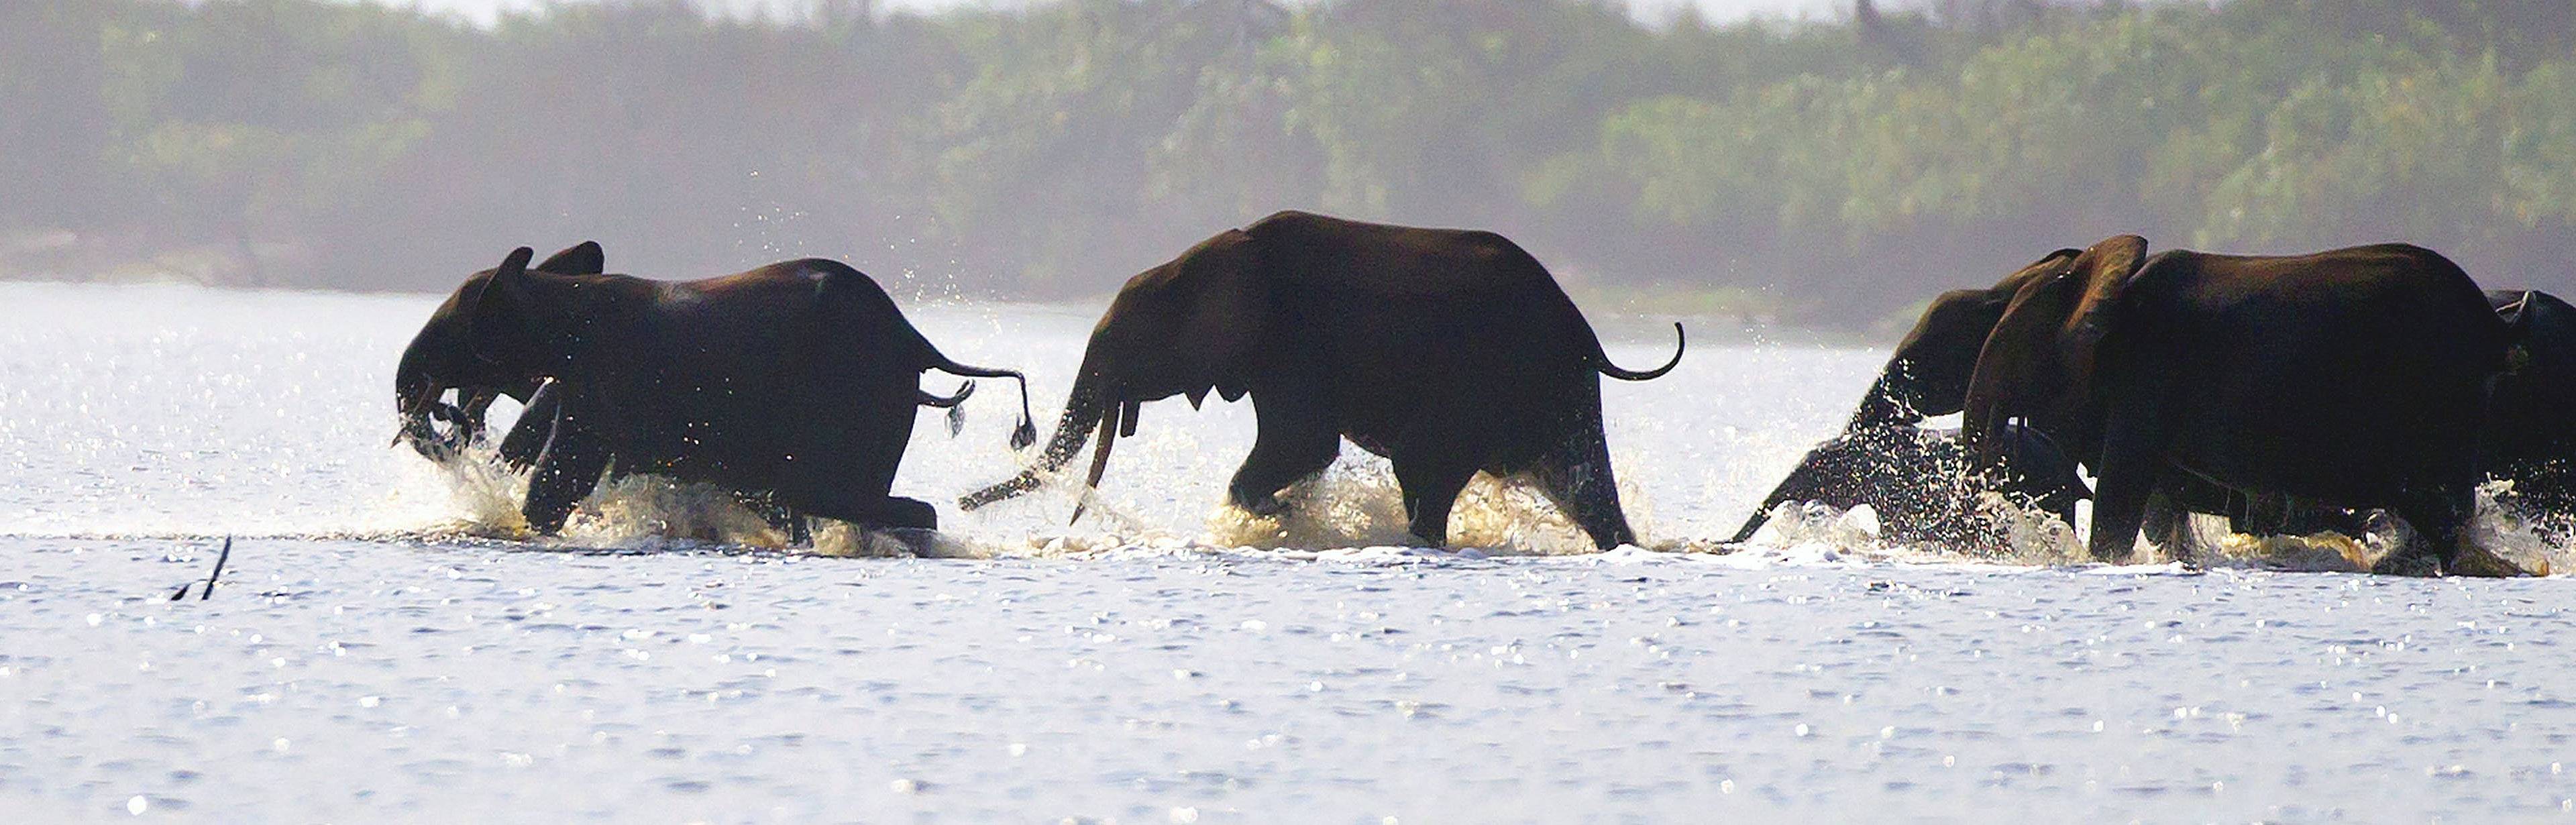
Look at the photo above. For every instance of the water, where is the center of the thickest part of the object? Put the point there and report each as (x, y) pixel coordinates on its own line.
(372, 656)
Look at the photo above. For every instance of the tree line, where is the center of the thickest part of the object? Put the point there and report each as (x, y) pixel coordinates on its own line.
(1823, 172)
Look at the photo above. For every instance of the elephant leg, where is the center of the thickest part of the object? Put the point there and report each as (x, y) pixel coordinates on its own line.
(885, 512)
(901, 512)
(859, 495)
(2438, 516)
(844, 469)
(567, 471)
(2168, 524)
(2132, 470)
(1431, 479)
(1577, 477)
(536, 424)
(2119, 511)
(780, 517)
(1291, 445)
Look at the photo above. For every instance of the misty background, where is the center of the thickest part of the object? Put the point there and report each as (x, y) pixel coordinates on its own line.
(1830, 164)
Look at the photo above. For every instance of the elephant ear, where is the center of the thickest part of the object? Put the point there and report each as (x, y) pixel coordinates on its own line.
(497, 312)
(1928, 374)
(1228, 312)
(2043, 350)
(2048, 266)
(585, 258)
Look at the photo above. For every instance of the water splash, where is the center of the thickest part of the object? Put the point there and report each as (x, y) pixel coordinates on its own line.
(1358, 503)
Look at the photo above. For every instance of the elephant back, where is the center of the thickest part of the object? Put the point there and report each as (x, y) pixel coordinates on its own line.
(1411, 319)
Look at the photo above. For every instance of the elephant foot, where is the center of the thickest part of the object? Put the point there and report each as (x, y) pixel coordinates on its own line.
(1269, 506)
(897, 512)
(2408, 562)
(545, 525)
(921, 543)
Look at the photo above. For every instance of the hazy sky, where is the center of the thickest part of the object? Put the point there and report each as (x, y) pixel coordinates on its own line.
(484, 10)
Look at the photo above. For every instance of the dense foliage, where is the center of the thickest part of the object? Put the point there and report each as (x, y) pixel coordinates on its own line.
(1830, 172)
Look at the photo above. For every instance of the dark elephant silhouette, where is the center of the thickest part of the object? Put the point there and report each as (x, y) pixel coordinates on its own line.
(2353, 378)
(794, 383)
(2533, 412)
(1447, 351)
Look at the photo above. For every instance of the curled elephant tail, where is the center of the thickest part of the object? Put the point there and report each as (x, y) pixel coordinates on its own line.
(1021, 436)
(964, 390)
(1680, 343)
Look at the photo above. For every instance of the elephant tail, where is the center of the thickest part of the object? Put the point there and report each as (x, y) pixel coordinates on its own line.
(1021, 436)
(945, 401)
(1602, 361)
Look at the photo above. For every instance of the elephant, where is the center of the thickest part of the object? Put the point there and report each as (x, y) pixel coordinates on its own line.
(2531, 446)
(1446, 351)
(2533, 411)
(2353, 378)
(2531, 434)
(1919, 482)
(793, 383)
(1928, 373)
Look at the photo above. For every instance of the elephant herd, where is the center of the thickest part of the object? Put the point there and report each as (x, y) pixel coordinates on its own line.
(2284, 392)
(2291, 394)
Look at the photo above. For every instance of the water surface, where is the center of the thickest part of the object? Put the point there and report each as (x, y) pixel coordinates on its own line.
(385, 646)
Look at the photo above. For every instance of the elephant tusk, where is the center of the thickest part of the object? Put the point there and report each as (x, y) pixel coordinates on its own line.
(1099, 460)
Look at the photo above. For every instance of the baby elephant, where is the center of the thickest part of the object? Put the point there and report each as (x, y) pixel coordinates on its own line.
(1450, 352)
(794, 384)
(1920, 483)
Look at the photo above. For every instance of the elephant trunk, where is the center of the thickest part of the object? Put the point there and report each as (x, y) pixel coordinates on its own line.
(464, 425)
(1993, 400)
(1806, 482)
(1084, 409)
(416, 399)
(1109, 430)
(1888, 404)
(1753, 525)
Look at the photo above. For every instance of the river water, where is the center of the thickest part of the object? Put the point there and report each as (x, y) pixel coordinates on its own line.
(386, 644)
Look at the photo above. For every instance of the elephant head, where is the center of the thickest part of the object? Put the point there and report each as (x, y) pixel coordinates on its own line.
(2533, 408)
(2039, 361)
(479, 343)
(1928, 374)
(1194, 325)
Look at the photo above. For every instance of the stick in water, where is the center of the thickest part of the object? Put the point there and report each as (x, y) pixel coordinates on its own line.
(208, 591)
